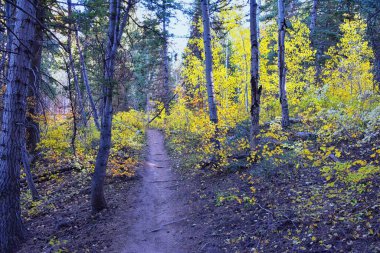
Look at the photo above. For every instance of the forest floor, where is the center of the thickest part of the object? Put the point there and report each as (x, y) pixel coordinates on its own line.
(169, 208)
(147, 213)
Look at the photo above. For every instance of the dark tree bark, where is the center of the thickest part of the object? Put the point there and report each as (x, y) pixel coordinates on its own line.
(375, 43)
(115, 30)
(26, 161)
(213, 112)
(166, 60)
(281, 64)
(33, 128)
(256, 90)
(14, 124)
(313, 17)
(377, 68)
(73, 110)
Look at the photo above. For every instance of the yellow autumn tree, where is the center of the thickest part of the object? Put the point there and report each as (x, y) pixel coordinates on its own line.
(299, 58)
(348, 73)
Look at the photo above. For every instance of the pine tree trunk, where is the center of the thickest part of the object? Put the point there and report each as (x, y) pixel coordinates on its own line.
(213, 113)
(281, 64)
(256, 90)
(376, 49)
(13, 125)
(166, 60)
(33, 127)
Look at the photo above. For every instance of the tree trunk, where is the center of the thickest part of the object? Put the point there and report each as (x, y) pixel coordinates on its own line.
(213, 113)
(80, 103)
(86, 82)
(115, 30)
(13, 125)
(313, 24)
(375, 38)
(258, 13)
(33, 127)
(377, 69)
(29, 177)
(73, 111)
(166, 60)
(313, 18)
(255, 89)
(98, 201)
(281, 64)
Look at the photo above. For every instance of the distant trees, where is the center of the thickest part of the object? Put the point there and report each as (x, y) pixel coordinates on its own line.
(370, 9)
(78, 92)
(86, 79)
(349, 71)
(164, 10)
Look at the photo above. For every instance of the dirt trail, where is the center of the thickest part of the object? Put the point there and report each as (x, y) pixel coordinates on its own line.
(158, 217)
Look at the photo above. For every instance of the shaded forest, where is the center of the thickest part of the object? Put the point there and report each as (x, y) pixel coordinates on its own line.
(262, 135)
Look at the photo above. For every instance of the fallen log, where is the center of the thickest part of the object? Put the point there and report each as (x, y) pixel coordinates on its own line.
(306, 136)
(40, 178)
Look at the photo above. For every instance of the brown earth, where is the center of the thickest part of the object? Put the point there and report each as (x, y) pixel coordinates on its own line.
(148, 213)
(166, 208)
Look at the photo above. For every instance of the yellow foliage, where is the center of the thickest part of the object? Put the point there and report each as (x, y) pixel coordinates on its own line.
(55, 140)
(127, 141)
(348, 72)
(128, 130)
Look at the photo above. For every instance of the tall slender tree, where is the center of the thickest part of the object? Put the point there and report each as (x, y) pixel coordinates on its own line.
(165, 56)
(213, 112)
(33, 106)
(281, 64)
(79, 97)
(313, 17)
(85, 79)
(13, 129)
(371, 11)
(115, 30)
(256, 90)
